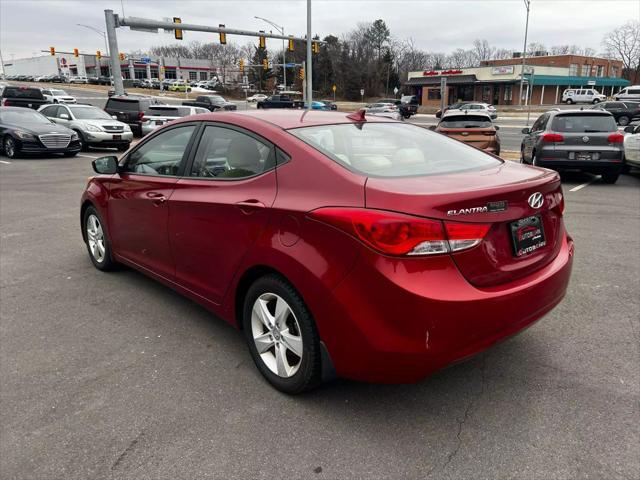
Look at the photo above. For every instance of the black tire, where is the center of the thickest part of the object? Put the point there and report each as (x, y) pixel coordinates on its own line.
(623, 121)
(70, 154)
(595, 100)
(106, 263)
(534, 161)
(83, 143)
(308, 374)
(10, 147)
(124, 147)
(569, 101)
(610, 177)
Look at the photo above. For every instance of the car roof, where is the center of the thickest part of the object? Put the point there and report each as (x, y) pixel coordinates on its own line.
(589, 112)
(459, 112)
(287, 118)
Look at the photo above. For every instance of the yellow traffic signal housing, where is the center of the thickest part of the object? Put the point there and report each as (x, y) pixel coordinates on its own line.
(223, 36)
(121, 56)
(291, 44)
(315, 47)
(265, 64)
(98, 55)
(262, 43)
(52, 50)
(241, 65)
(76, 53)
(178, 32)
(301, 74)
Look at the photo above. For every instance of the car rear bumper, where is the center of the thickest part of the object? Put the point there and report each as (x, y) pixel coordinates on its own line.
(397, 321)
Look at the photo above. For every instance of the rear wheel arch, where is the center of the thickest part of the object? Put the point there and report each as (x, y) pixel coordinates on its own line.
(247, 279)
(83, 208)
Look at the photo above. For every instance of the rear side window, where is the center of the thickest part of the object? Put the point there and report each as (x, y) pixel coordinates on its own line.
(122, 105)
(583, 123)
(465, 121)
(18, 92)
(393, 149)
(634, 91)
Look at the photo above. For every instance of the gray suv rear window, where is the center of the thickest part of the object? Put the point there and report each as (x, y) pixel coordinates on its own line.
(583, 123)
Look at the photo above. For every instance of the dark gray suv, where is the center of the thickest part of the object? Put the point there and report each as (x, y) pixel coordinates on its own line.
(586, 140)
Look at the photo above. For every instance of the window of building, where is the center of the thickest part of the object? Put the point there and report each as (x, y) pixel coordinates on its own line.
(170, 74)
(203, 75)
(193, 75)
(585, 71)
(433, 94)
(573, 70)
(508, 93)
(140, 73)
(614, 71)
(600, 71)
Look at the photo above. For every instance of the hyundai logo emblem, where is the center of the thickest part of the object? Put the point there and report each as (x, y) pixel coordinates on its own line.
(536, 200)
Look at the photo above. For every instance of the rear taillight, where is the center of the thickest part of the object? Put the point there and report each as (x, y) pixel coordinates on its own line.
(5, 102)
(552, 137)
(140, 115)
(398, 234)
(615, 138)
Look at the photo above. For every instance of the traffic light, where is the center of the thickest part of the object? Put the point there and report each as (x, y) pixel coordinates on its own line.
(178, 32)
(315, 47)
(98, 55)
(301, 74)
(52, 50)
(265, 64)
(241, 65)
(262, 42)
(291, 44)
(121, 57)
(223, 36)
(76, 53)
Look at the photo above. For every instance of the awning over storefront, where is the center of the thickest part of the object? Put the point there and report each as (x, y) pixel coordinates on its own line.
(579, 81)
(452, 80)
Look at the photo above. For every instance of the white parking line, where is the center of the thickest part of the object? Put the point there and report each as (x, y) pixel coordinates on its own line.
(6, 163)
(86, 156)
(580, 187)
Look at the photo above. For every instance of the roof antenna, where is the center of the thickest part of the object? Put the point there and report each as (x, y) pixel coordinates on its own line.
(358, 115)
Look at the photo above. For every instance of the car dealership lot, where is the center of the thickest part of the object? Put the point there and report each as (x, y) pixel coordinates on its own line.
(115, 376)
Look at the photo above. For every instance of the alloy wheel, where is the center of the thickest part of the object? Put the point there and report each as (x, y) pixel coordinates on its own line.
(276, 335)
(10, 147)
(95, 238)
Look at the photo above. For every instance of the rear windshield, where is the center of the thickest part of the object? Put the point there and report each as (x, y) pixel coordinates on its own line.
(583, 123)
(21, 92)
(169, 111)
(393, 149)
(130, 105)
(465, 121)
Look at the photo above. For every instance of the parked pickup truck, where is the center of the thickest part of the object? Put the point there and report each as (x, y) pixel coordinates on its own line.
(280, 101)
(211, 102)
(20, 96)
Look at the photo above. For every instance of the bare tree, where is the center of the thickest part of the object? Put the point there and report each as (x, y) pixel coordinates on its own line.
(461, 58)
(623, 43)
(503, 53)
(482, 50)
(534, 47)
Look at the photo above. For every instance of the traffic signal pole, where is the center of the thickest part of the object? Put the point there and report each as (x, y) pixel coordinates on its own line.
(110, 21)
(308, 68)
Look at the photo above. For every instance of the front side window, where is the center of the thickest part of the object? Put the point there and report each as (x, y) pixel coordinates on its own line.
(224, 153)
(393, 149)
(89, 113)
(162, 154)
(50, 111)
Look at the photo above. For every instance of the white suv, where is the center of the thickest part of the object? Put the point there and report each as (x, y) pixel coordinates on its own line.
(629, 93)
(582, 95)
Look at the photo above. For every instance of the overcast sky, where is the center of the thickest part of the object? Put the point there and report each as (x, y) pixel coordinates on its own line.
(27, 26)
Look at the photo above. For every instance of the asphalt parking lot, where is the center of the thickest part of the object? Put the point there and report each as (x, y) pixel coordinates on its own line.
(115, 376)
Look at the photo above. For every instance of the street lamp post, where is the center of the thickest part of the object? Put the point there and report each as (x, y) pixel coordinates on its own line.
(104, 36)
(284, 60)
(527, 3)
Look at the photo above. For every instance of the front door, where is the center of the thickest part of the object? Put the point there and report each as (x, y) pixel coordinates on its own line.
(138, 208)
(219, 208)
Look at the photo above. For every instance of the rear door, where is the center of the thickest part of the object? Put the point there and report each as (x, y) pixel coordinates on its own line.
(220, 207)
(139, 194)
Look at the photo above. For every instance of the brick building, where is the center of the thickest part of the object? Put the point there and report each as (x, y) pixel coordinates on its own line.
(498, 81)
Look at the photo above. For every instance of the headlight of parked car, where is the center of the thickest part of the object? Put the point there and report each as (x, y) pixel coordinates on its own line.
(74, 136)
(92, 128)
(127, 128)
(24, 135)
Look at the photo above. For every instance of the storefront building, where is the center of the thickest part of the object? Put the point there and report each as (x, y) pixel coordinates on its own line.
(499, 84)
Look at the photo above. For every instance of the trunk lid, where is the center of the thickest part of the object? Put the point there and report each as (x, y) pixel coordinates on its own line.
(481, 138)
(497, 196)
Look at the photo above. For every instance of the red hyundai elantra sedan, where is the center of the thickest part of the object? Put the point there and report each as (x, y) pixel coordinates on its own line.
(340, 244)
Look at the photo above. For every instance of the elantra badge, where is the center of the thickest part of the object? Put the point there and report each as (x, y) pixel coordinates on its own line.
(490, 207)
(536, 200)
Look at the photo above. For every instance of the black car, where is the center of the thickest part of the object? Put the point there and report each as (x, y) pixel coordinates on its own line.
(130, 109)
(57, 79)
(22, 96)
(25, 131)
(623, 111)
(211, 102)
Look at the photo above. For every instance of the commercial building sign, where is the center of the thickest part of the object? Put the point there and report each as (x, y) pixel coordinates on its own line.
(432, 73)
(503, 70)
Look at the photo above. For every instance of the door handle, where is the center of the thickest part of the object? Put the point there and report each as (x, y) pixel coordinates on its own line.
(249, 206)
(157, 197)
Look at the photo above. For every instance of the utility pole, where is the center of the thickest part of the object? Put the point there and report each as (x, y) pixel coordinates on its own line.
(524, 51)
(308, 68)
(110, 21)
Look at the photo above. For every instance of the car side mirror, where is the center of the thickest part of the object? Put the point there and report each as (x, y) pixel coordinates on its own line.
(115, 117)
(526, 130)
(105, 165)
(65, 116)
(497, 127)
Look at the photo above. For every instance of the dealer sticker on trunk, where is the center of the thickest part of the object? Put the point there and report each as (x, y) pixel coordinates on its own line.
(528, 235)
